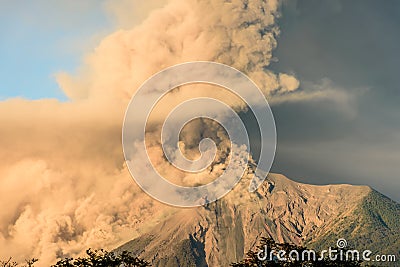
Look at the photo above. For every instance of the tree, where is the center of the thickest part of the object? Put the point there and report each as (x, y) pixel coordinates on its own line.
(10, 263)
(93, 258)
(96, 258)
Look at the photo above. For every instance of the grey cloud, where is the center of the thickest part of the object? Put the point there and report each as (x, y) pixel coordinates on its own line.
(354, 44)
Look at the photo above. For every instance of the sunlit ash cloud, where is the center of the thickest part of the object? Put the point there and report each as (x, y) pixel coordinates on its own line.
(63, 183)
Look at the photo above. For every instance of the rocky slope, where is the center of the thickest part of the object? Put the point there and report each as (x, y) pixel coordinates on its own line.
(316, 216)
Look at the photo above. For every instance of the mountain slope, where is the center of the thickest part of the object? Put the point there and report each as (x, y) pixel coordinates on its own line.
(222, 232)
(373, 225)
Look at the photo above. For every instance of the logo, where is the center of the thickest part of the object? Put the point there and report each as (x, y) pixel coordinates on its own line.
(341, 243)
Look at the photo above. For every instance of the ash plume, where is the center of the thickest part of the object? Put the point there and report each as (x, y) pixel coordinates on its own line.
(63, 183)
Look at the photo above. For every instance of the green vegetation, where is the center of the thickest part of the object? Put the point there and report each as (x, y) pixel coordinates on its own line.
(374, 226)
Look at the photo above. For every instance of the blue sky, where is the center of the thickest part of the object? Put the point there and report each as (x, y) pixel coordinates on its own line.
(41, 38)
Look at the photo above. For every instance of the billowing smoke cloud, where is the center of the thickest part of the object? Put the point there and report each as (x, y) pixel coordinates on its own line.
(63, 183)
